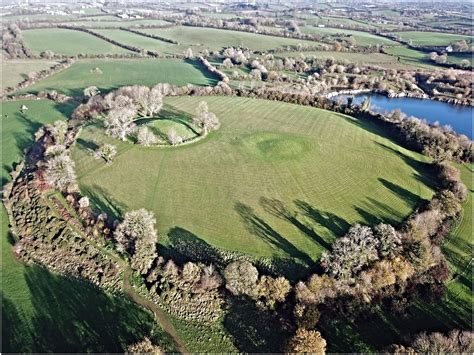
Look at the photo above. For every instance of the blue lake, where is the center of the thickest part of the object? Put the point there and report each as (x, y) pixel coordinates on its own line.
(460, 118)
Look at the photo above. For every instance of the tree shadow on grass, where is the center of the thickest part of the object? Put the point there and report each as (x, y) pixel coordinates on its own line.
(278, 209)
(87, 144)
(172, 114)
(425, 172)
(212, 78)
(404, 194)
(47, 312)
(71, 316)
(186, 246)
(257, 226)
(337, 225)
(344, 335)
(254, 330)
(101, 201)
(385, 130)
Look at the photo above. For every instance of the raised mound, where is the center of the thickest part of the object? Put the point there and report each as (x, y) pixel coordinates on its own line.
(275, 180)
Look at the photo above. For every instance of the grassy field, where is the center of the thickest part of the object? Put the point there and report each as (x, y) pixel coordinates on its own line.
(275, 177)
(41, 311)
(199, 38)
(454, 311)
(16, 70)
(361, 38)
(458, 57)
(335, 21)
(68, 42)
(116, 22)
(432, 38)
(139, 41)
(120, 72)
(359, 58)
(411, 56)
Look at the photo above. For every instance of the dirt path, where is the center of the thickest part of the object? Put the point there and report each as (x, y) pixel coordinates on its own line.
(159, 314)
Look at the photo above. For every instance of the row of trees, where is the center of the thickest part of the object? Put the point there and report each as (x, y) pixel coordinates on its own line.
(12, 43)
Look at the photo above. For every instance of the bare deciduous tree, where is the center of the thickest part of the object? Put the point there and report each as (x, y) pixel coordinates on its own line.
(107, 152)
(174, 138)
(204, 119)
(60, 172)
(119, 122)
(146, 137)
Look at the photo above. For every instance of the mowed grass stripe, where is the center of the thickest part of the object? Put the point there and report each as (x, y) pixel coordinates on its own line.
(326, 169)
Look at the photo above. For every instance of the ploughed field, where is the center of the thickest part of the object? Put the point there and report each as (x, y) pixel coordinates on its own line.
(276, 179)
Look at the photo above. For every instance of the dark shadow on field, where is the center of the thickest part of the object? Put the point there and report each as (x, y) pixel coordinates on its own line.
(87, 145)
(101, 201)
(212, 78)
(371, 333)
(169, 113)
(68, 316)
(367, 217)
(278, 209)
(257, 226)
(385, 130)
(71, 316)
(337, 225)
(186, 246)
(254, 329)
(391, 215)
(401, 192)
(425, 171)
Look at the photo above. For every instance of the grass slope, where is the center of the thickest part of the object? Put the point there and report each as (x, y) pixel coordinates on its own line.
(361, 38)
(120, 72)
(411, 56)
(68, 42)
(274, 180)
(44, 312)
(199, 38)
(359, 58)
(17, 70)
(454, 311)
(432, 38)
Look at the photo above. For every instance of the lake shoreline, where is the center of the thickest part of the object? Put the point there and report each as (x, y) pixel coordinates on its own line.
(394, 95)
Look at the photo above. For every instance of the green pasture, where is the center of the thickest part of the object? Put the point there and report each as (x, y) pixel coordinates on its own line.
(117, 22)
(42, 311)
(453, 311)
(361, 38)
(335, 21)
(349, 57)
(274, 180)
(68, 42)
(114, 73)
(432, 38)
(133, 39)
(16, 70)
(199, 38)
(411, 56)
